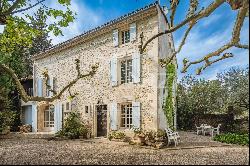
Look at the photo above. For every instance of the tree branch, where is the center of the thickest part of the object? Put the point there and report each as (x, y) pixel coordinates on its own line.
(27, 98)
(166, 61)
(13, 7)
(234, 42)
(21, 10)
(203, 13)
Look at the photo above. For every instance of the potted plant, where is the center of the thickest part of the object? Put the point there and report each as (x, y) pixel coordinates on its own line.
(139, 136)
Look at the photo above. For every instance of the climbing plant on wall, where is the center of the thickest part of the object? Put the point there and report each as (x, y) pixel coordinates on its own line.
(169, 100)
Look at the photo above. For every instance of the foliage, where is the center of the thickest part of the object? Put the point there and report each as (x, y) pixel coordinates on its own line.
(236, 83)
(116, 135)
(73, 127)
(20, 24)
(199, 96)
(169, 105)
(6, 115)
(233, 138)
(6, 120)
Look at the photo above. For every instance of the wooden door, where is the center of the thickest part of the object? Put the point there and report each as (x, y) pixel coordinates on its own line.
(101, 120)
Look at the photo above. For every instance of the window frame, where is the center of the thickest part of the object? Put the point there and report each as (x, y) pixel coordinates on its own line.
(125, 36)
(128, 70)
(50, 122)
(126, 117)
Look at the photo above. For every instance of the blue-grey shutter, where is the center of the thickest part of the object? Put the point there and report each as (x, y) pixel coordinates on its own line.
(133, 32)
(34, 117)
(136, 67)
(136, 114)
(39, 87)
(58, 117)
(113, 71)
(116, 37)
(113, 116)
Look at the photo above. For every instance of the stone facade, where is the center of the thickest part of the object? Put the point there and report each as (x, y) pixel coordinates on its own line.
(98, 47)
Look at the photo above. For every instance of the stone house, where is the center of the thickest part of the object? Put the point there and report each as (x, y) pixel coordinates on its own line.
(127, 90)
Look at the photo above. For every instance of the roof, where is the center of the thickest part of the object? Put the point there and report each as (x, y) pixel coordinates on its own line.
(92, 31)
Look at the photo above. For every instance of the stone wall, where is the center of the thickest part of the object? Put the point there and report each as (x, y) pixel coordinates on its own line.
(61, 66)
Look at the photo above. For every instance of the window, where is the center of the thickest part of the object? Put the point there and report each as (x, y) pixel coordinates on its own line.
(66, 110)
(125, 36)
(126, 71)
(49, 117)
(126, 115)
(86, 109)
(67, 106)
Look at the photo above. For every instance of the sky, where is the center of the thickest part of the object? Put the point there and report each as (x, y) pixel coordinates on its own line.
(209, 34)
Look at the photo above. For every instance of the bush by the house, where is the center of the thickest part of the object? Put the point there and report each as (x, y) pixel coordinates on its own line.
(74, 127)
(233, 138)
(116, 135)
(6, 120)
(149, 138)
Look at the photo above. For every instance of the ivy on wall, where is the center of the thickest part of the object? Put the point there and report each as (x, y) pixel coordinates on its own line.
(169, 101)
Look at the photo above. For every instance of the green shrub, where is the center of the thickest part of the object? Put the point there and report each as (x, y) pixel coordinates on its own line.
(233, 138)
(116, 135)
(6, 120)
(73, 127)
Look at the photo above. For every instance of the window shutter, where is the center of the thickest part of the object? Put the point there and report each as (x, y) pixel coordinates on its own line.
(51, 83)
(39, 87)
(136, 68)
(34, 118)
(113, 116)
(136, 114)
(133, 32)
(113, 71)
(58, 116)
(115, 37)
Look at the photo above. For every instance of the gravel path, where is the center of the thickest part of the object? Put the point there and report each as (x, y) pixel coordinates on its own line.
(102, 151)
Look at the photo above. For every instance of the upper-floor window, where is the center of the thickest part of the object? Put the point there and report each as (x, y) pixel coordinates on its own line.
(125, 36)
(126, 71)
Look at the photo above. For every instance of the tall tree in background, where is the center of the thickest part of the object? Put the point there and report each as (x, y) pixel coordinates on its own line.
(41, 42)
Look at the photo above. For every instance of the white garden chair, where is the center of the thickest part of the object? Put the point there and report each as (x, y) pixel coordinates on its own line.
(216, 130)
(173, 136)
(199, 129)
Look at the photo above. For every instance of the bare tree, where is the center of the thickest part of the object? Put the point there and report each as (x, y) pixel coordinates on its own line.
(192, 18)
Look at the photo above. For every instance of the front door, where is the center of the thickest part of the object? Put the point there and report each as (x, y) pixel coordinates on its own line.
(101, 120)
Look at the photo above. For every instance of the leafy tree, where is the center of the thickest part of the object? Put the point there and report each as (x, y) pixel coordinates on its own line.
(236, 83)
(19, 33)
(199, 96)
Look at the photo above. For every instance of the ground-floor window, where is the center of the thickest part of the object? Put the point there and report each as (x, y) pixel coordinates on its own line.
(49, 118)
(126, 115)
